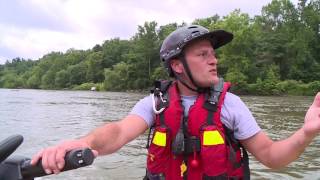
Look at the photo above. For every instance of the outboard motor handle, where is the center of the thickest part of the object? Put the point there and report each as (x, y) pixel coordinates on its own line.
(20, 168)
(74, 159)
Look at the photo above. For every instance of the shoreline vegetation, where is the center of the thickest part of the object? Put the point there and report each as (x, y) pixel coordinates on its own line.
(262, 88)
(282, 88)
(275, 53)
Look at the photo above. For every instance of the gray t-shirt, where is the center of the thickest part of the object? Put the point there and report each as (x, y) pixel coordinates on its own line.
(234, 114)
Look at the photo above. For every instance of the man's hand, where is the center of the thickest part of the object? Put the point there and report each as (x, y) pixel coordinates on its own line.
(52, 158)
(311, 125)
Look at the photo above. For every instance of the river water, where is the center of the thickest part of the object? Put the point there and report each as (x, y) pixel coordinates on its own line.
(46, 117)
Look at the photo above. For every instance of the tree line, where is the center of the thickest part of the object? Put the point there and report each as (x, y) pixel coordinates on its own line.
(274, 53)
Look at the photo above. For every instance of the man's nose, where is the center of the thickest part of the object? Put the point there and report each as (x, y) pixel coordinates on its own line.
(212, 59)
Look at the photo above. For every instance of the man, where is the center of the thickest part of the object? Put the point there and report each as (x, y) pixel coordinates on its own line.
(200, 131)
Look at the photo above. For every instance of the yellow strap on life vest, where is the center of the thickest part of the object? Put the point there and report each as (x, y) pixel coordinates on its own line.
(212, 138)
(183, 168)
(151, 156)
(160, 139)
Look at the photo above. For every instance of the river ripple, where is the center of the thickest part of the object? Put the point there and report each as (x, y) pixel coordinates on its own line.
(46, 117)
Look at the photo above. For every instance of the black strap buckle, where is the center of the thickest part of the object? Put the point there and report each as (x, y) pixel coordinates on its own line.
(159, 176)
(192, 144)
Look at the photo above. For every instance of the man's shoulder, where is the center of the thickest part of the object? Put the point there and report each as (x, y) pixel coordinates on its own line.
(233, 101)
(231, 97)
(146, 99)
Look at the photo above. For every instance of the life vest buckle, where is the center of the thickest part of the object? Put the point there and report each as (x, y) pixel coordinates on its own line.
(193, 144)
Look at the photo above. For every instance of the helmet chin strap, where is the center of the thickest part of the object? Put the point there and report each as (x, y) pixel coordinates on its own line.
(184, 83)
(187, 69)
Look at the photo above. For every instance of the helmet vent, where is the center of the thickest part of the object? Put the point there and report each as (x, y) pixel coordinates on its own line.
(194, 32)
(191, 27)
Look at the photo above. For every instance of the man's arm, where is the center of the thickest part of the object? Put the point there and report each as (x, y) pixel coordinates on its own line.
(103, 140)
(276, 154)
(281, 153)
(111, 137)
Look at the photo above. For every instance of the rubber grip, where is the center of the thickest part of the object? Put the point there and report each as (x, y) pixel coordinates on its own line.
(73, 160)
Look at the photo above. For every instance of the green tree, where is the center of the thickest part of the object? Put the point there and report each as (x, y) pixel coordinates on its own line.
(148, 45)
(159, 73)
(165, 30)
(281, 44)
(117, 77)
(238, 54)
(114, 51)
(11, 80)
(207, 22)
(62, 79)
(48, 80)
(95, 67)
(77, 73)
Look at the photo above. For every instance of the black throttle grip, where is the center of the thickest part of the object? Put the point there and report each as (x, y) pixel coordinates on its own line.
(74, 159)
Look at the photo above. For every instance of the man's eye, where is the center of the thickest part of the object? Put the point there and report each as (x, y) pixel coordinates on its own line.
(203, 54)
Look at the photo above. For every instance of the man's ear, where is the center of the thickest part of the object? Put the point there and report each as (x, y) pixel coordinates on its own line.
(177, 66)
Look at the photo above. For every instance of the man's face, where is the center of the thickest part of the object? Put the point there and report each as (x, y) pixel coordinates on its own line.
(202, 61)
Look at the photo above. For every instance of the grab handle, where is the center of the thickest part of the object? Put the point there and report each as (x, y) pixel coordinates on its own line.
(73, 160)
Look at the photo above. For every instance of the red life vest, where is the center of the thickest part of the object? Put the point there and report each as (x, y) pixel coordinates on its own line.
(209, 152)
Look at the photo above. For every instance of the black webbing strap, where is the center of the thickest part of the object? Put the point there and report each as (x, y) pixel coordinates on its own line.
(160, 86)
(246, 169)
(149, 134)
(232, 151)
(211, 108)
(218, 177)
(231, 140)
(212, 99)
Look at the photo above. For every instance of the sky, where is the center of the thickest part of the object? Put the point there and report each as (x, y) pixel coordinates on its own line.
(32, 28)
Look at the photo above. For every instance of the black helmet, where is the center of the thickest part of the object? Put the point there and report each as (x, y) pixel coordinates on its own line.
(173, 45)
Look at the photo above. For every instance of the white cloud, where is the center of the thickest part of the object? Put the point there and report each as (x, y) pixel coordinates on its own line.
(33, 43)
(38, 27)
